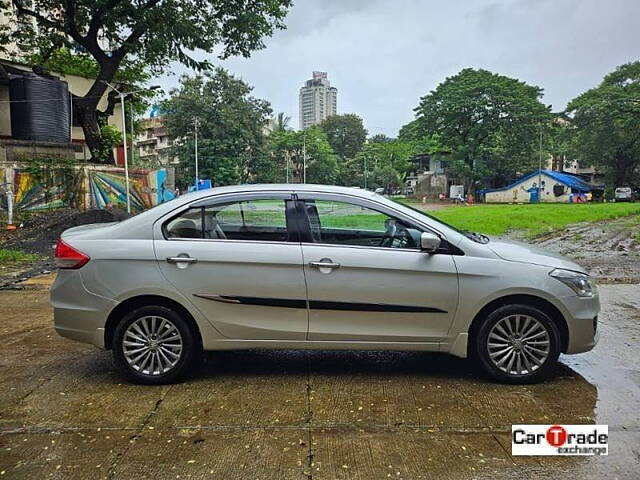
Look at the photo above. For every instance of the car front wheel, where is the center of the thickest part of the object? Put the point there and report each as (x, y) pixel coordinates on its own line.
(155, 345)
(517, 344)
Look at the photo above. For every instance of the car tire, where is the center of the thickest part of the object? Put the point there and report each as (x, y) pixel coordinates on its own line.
(164, 338)
(517, 344)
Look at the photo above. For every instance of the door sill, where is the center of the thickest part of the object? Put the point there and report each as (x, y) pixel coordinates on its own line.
(224, 344)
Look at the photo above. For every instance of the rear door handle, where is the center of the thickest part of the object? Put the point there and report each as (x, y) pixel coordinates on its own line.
(324, 264)
(182, 260)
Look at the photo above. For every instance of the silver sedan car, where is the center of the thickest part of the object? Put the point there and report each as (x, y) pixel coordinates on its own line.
(314, 267)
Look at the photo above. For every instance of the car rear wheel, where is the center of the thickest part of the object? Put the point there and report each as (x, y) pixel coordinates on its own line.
(517, 344)
(155, 345)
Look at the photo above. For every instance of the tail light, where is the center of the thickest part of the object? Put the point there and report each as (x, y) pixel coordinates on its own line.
(68, 257)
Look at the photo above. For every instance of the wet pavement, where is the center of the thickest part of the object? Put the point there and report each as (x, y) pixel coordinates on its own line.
(64, 412)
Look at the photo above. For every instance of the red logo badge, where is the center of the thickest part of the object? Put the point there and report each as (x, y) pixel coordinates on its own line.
(556, 436)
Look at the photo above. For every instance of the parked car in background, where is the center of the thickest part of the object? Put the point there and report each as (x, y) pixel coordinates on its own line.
(314, 267)
(624, 194)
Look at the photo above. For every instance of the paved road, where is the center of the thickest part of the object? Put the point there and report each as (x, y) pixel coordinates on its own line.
(64, 413)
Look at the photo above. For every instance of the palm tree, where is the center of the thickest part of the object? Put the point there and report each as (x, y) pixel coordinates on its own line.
(281, 122)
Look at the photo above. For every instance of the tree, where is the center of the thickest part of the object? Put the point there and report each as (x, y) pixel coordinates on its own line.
(288, 149)
(231, 143)
(381, 157)
(346, 134)
(380, 138)
(148, 33)
(606, 122)
(282, 122)
(489, 121)
(385, 177)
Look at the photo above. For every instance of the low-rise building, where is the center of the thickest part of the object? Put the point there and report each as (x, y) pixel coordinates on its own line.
(429, 177)
(585, 171)
(153, 143)
(542, 186)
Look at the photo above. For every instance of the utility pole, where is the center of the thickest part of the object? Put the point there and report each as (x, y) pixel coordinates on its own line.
(133, 140)
(124, 137)
(365, 172)
(124, 144)
(9, 177)
(196, 150)
(304, 157)
(540, 169)
(287, 167)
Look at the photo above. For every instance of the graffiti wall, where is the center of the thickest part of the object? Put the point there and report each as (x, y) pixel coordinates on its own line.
(147, 188)
(39, 190)
(84, 187)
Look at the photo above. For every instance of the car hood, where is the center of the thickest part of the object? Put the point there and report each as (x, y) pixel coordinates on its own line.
(525, 253)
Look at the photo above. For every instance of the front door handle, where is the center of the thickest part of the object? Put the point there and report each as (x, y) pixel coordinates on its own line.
(182, 260)
(324, 263)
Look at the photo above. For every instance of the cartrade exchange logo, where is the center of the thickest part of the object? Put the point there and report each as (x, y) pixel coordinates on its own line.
(560, 440)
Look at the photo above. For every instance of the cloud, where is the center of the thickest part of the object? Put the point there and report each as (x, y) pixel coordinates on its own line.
(384, 55)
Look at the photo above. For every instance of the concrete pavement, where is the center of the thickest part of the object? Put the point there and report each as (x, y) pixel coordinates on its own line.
(64, 412)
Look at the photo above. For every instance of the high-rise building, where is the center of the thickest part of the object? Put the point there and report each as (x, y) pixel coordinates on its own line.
(317, 100)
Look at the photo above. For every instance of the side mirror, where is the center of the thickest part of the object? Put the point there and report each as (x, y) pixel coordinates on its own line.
(429, 242)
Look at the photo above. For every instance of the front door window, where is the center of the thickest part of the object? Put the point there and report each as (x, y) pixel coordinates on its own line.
(341, 223)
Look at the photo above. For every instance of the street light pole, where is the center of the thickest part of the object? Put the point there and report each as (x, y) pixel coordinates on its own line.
(365, 172)
(540, 169)
(195, 134)
(126, 159)
(124, 138)
(287, 167)
(304, 156)
(133, 140)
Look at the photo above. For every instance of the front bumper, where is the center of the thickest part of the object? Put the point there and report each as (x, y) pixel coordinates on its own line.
(77, 313)
(581, 315)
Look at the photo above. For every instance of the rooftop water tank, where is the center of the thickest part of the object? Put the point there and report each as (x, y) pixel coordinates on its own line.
(39, 108)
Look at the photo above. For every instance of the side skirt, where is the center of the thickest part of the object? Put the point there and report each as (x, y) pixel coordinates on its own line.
(223, 344)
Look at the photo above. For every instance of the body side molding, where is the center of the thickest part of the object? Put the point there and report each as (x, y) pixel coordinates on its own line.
(319, 305)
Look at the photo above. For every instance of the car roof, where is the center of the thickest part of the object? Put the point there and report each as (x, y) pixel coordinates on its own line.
(287, 187)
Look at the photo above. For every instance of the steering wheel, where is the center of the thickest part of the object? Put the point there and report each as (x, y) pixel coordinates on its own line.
(389, 234)
(397, 236)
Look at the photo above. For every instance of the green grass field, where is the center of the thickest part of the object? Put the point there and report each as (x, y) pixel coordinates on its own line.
(10, 256)
(533, 220)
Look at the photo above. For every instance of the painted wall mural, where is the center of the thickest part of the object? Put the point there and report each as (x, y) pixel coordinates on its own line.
(85, 187)
(147, 188)
(54, 188)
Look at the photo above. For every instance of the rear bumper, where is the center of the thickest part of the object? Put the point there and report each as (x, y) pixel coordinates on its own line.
(77, 313)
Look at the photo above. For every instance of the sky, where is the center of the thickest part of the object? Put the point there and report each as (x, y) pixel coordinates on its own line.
(383, 55)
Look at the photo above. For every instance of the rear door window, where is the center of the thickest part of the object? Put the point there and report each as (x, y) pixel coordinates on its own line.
(253, 220)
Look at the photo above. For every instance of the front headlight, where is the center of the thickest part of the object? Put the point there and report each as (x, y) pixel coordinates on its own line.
(578, 282)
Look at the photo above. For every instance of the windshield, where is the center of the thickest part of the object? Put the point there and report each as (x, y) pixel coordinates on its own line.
(476, 237)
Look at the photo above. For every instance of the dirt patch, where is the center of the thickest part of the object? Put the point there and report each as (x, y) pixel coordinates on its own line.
(610, 250)
(39, 234)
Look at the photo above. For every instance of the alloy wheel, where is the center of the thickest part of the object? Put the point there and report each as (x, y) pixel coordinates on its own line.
(152, 345)
(518, 344)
